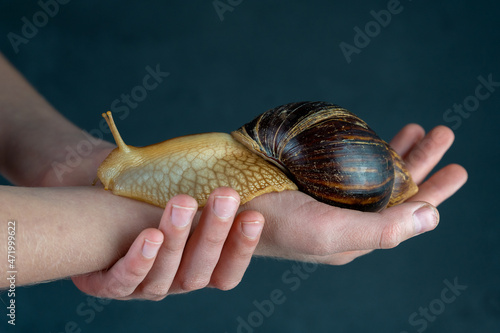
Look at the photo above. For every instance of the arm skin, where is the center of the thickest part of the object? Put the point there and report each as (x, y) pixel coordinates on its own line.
(69, 231)
(99, 227)
(33, 135)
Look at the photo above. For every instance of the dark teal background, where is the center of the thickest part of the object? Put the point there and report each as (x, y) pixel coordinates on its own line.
(263, 54)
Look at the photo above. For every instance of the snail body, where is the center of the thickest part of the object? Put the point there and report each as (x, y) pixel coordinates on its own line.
(316, 147)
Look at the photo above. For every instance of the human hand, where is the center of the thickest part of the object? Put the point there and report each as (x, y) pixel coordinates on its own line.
(299, 227)
(164, 261)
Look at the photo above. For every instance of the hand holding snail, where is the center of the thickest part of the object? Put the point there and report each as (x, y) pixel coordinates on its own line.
(301, 228)
(298, 227)
(316, 147)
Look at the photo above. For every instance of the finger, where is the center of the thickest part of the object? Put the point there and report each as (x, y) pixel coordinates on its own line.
(238, 250)
(175, 225)
(407, 138)
(442, 185)
(428, 152)
(335, 230)
(122, 279)
(390, 227)
(204, 247)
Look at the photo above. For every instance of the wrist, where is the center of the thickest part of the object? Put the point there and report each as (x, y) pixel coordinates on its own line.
(74, 165)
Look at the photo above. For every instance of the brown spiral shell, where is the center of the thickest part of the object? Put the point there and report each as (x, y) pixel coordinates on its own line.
(330, 154)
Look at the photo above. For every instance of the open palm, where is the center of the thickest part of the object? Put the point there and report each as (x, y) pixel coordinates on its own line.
(299, 227)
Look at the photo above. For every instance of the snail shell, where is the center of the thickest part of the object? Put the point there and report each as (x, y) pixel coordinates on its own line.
(317, 147)
(330, 154)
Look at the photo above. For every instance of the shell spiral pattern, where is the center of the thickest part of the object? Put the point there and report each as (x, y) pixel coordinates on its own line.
(330, 154)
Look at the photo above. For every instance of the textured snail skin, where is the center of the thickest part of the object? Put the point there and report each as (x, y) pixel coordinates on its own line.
(317, 147)
(194, 165)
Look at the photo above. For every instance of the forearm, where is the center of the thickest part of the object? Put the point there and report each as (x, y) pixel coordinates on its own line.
(62, 232)
(32, 133)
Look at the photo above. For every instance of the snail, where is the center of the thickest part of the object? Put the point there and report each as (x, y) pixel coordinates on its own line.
(315, 147)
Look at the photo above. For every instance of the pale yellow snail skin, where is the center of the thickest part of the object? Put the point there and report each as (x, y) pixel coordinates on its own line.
(193, 165)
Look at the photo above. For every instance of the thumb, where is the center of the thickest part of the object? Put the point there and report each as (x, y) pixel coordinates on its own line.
(405, 221)
(390, 227)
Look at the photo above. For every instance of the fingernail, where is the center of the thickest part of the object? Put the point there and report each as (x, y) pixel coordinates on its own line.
(425, 219)
(181, 216)
(150, 249)
(251, 229)
(225, 206)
